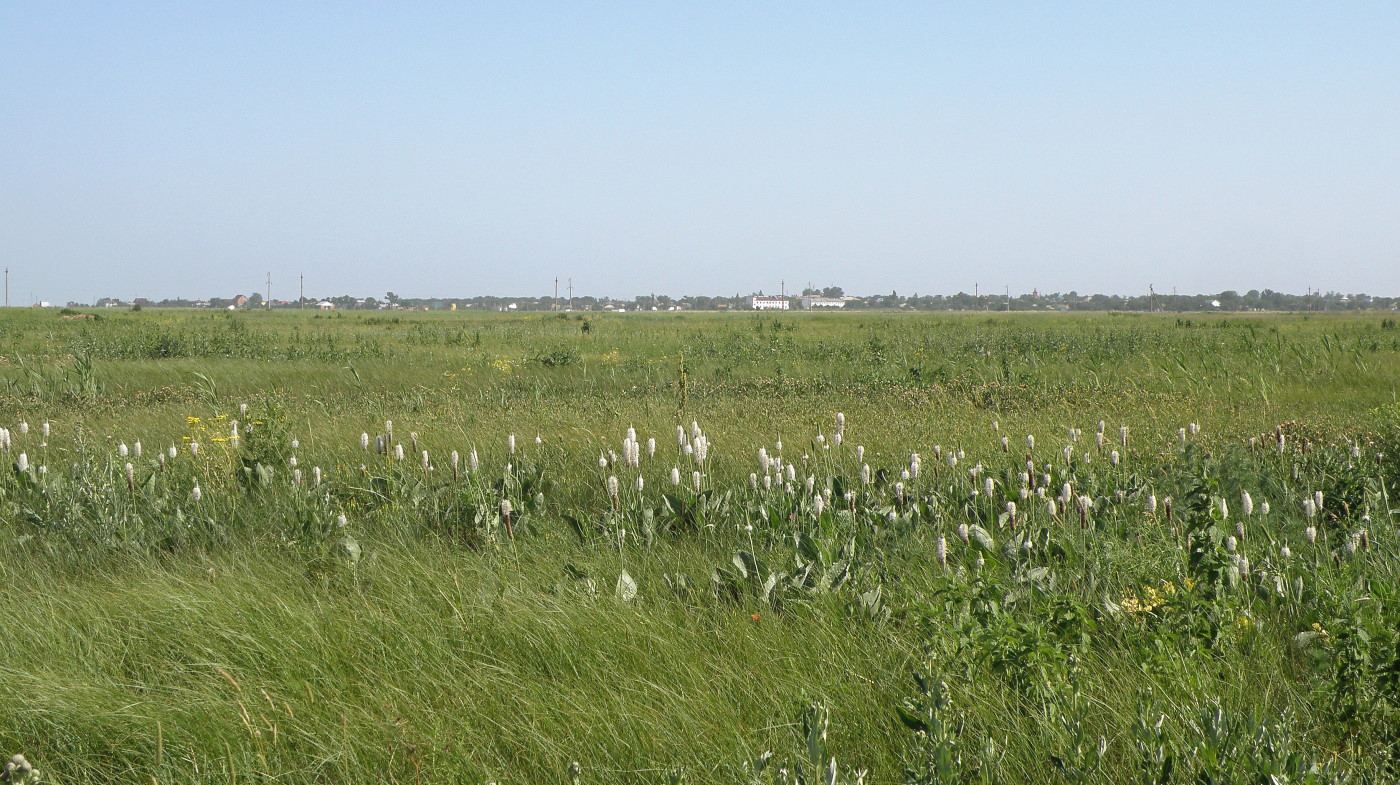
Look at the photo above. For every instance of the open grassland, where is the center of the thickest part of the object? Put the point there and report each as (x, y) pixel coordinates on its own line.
(450, 547)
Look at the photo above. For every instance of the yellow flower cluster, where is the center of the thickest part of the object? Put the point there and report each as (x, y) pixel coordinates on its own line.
(1148, 599)
(1151, 598)
(215, 430)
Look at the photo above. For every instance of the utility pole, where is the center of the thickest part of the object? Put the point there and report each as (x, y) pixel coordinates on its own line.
(268, 302)
(571, 294)
(1008, 299)
(301, 297)
(7, 288)
(554, 306)
(977, 294)
(1151, 299)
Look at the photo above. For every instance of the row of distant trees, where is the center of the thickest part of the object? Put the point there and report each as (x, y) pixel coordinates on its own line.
(1253, 300)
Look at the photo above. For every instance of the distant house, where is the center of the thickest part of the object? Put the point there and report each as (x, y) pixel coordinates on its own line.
(240, 301)
(760, 302)
(810, 302)
(326, 305)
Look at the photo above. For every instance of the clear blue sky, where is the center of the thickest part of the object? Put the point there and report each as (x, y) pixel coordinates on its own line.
(187, 149)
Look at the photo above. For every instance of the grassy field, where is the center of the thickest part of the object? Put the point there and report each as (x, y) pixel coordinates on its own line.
(890, 548)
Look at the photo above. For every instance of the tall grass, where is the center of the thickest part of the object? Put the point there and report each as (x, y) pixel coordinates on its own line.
(245, 634)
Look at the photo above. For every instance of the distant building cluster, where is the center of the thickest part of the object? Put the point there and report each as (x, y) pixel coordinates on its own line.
(830, 298)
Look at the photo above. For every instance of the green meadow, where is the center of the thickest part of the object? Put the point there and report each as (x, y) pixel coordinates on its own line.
(400, 547)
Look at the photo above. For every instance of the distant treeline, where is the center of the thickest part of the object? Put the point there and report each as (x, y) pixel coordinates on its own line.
(1253, 300)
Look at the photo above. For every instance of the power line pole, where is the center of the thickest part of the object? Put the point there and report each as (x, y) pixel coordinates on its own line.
(268, 303)
(571, 294)
(554, 306)
(301, 298)
(7, 287)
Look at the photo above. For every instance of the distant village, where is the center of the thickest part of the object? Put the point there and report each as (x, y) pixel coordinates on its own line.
(827, 299)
